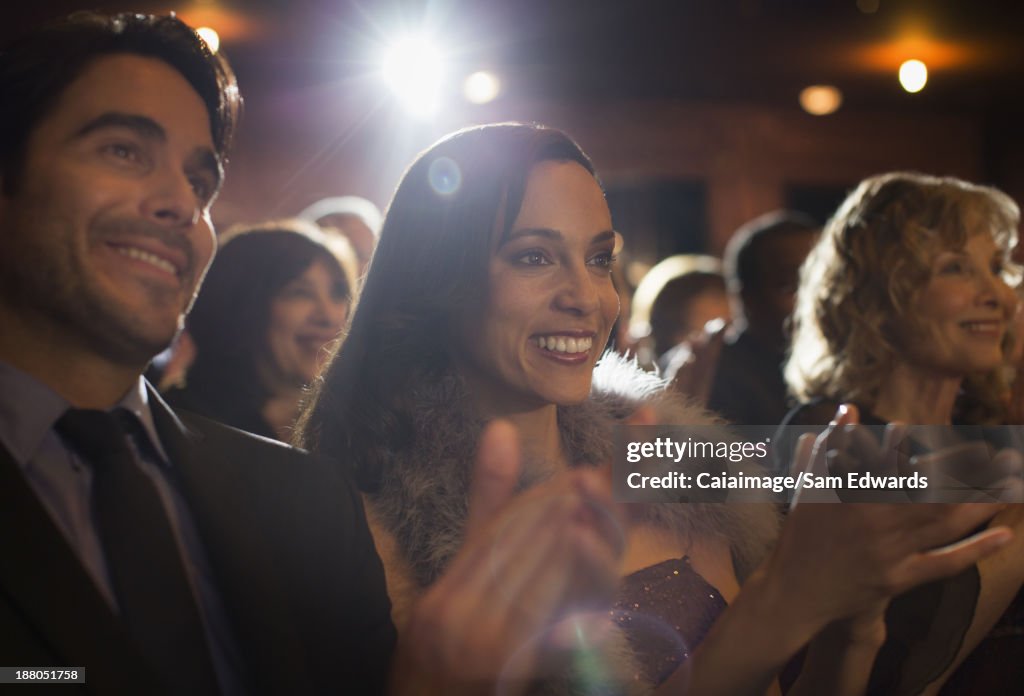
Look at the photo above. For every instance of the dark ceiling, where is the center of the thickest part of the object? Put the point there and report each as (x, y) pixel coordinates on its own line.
(762, 51)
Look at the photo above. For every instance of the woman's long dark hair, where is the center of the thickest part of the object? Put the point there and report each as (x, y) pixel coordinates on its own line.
(429, 269)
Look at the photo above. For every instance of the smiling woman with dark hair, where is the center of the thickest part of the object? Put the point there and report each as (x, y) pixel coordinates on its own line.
(490, 297)
(275, 297)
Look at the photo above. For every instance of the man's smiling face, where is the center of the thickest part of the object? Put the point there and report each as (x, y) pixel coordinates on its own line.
(105, 232)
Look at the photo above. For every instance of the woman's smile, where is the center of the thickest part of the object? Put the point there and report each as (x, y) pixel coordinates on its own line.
(570, 348)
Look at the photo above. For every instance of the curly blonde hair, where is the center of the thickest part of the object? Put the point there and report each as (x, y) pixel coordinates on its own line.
(873, 258)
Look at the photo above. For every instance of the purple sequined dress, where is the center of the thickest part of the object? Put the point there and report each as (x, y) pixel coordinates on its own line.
(665, 611)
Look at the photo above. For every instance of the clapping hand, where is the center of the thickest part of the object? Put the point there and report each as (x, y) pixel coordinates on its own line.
(692, 371)
(842, 559)
(528, 560)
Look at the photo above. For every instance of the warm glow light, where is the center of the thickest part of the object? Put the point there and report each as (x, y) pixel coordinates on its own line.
(886, 57)
(913, 75)
(481, 87)
(820, 100)
(211, 37)
(413, 69)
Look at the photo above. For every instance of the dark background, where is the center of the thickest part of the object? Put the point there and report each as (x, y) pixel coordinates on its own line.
(689, 108)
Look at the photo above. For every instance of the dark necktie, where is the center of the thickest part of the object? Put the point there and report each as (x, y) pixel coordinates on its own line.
(146, 570)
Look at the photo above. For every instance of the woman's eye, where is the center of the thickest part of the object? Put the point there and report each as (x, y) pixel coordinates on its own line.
(339, 292)
(298, 292)
(951, 268)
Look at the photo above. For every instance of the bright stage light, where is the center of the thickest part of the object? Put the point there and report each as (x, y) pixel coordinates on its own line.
(913, 75)
(481, 87)
(414, 70)
(211, 37)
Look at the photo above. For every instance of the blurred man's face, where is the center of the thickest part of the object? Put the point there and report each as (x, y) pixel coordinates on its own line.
(770, 302)
(107, 233)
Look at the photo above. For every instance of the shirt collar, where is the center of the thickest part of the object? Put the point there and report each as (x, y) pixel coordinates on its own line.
(136, 402)
(29, 410)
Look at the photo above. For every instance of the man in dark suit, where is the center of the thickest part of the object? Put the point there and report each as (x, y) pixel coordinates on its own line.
(245, 566)
(161, 552)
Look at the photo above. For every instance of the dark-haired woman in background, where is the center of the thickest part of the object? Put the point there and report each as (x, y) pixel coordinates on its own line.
(275, 297)
(904, 308)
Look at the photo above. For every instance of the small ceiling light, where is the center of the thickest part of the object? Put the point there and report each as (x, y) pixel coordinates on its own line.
(820, 100)
(868, 6)
(211, 37)
(481, 87)
(913, 75)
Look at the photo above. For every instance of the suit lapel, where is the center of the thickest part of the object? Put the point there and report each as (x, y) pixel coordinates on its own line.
(230, 524)
(48, 585)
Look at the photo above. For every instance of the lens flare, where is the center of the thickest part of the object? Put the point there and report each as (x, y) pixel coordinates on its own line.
(445, 176)
(481, 87)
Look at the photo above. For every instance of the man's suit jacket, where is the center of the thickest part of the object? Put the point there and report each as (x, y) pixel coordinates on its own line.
(292, 558)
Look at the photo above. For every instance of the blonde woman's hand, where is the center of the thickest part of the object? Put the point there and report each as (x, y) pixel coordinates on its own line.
(835, 561)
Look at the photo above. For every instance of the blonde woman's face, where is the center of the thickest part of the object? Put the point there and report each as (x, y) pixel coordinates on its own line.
(965, 310)
(551, 303)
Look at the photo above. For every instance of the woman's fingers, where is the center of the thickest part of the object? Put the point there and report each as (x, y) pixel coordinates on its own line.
(970, 472)
(495, 475)
(531, 558)
(803, 457)
(951, 559)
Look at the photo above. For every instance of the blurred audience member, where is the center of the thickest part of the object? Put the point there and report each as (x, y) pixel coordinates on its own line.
(355, 218)
(674, 301)
(275, 297)
(762, 265)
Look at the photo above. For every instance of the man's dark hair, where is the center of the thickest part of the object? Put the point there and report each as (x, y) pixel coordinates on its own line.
(744, 255)
(38, 66)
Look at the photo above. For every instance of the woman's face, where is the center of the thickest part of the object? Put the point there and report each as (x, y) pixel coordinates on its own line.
(305, 316)
(965, 308)
(551, 303)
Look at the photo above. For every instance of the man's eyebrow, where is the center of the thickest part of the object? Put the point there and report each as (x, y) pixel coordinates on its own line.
(142, 125)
